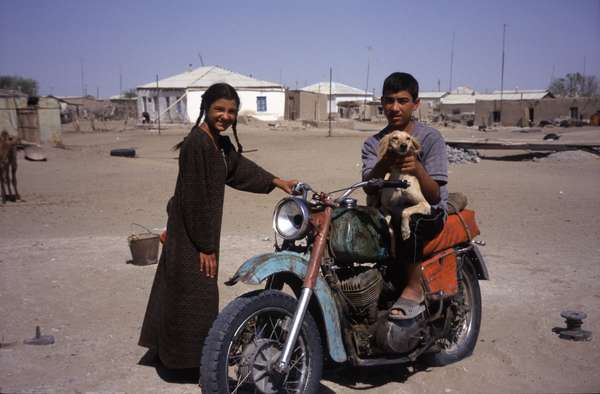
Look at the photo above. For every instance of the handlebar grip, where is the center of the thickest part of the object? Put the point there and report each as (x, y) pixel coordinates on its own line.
(403, 184)
(380, 184)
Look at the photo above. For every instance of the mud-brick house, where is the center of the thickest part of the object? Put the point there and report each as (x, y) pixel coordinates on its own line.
(512, 108)
(32, 118)
(429, 107)
(303, 105)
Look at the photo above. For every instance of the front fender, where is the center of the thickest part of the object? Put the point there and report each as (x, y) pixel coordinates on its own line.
(258, 268)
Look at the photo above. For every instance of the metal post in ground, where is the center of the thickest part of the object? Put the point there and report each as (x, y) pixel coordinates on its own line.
(330, 98)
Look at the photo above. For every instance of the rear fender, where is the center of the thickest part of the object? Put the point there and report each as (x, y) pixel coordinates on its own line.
(478, 262)
(259, 268)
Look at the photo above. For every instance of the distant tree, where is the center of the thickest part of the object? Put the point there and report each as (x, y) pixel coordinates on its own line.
(14, 82)
(575, 85)
(131, 93)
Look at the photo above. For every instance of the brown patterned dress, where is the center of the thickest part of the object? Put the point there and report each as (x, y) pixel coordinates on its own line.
(184, 301)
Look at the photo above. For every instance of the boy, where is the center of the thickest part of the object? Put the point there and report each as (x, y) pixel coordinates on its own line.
(400, 98)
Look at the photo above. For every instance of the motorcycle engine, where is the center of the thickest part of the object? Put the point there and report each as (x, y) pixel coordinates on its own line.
(399, 336)
(362, 291)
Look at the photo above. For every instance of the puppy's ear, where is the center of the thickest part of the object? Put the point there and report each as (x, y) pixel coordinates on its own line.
(384, 145)
(416, 146)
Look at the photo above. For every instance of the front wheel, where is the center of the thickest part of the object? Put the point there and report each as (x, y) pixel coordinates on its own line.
(465, 320)
(246, 341)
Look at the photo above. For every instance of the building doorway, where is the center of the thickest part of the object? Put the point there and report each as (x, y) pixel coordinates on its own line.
(496, 116)
(574, 112)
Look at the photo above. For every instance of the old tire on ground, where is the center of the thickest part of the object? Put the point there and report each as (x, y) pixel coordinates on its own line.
(123, 152)
(247, 335)
(466, 332)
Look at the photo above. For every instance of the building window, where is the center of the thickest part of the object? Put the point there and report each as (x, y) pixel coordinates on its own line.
(455, 111)
(261, 104)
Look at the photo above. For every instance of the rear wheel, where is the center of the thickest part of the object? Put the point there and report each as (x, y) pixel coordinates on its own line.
(246, 341)
(465, 320)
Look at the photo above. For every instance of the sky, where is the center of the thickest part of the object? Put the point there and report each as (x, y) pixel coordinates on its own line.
(127, 43)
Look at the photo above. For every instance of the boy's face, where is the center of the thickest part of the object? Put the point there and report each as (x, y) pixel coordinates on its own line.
(398, 107)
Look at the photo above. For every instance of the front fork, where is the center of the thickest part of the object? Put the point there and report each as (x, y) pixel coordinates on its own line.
(321, 221)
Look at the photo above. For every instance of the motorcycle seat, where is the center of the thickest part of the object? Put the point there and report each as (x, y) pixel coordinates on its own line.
(459, 228)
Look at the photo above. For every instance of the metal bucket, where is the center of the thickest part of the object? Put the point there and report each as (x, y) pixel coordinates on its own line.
(144, 247)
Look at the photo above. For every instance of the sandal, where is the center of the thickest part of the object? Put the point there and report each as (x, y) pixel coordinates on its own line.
(409, 309)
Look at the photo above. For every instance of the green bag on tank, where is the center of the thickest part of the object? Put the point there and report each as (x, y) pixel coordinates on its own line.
(359, 235)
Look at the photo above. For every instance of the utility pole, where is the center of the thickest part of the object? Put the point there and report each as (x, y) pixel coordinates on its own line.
(82, 83)
(158, 104)
(451, 62)
(330, 97)
(120, 81)
(502, 70)
(439, 88)
(369, 48)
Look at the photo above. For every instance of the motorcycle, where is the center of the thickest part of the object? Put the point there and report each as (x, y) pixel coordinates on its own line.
(336, 259)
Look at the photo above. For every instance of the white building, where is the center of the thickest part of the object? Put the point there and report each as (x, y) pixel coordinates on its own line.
(339, 93)
(178, 98)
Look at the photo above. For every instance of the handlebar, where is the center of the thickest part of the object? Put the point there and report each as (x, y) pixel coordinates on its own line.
(375, 183)
(303, 188)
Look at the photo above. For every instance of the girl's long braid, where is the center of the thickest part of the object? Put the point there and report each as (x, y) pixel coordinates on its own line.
(178, 146)
(237, 140)
(201, 113)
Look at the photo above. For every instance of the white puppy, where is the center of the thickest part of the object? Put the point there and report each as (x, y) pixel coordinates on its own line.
(407, 201)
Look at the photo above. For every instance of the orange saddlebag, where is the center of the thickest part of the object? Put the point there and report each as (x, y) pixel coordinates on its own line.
(439, 275)
(459, 228)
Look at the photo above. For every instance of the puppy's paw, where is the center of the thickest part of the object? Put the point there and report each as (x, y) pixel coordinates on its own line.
(405, 232)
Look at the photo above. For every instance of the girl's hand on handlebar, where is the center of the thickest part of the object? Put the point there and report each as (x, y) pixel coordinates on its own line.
(285, 185)
(208, 264)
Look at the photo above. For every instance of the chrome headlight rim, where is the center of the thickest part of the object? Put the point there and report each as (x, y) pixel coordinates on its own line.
(303, 211)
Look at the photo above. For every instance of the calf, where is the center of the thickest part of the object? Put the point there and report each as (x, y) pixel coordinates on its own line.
(8, 167)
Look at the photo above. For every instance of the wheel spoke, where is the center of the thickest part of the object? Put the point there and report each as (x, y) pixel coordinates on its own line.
(274, 328)
(240, 383)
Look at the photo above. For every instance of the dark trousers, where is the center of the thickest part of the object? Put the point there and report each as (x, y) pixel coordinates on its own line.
(410, 252)
(422, 229)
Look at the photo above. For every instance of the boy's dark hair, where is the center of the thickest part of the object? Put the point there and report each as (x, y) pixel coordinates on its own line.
(397, 82)
(216, 92)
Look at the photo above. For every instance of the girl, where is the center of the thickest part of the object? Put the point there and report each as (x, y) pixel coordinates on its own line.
(184, 298)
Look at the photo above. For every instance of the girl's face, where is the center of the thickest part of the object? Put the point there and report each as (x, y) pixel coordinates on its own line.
(221, 114)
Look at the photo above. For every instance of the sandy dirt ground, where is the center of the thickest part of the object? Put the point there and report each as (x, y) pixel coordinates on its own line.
(63, 254)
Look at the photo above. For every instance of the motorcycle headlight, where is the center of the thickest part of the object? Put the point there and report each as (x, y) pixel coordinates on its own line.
(291, 218)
